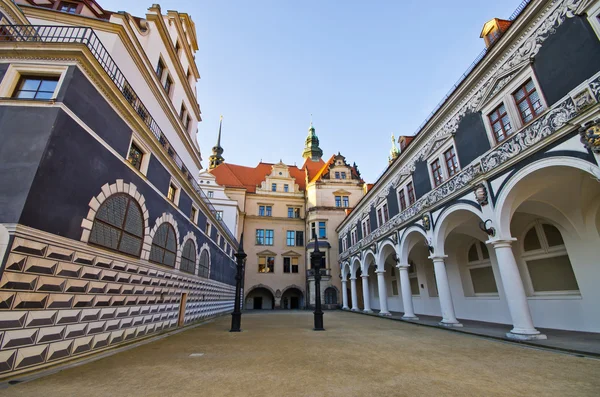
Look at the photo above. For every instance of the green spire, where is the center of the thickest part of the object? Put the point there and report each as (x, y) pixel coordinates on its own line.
(217, 151)
(394, 152)
(311, 147)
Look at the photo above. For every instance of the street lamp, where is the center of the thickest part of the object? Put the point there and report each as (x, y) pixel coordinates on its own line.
(236, 316)
(315, 261)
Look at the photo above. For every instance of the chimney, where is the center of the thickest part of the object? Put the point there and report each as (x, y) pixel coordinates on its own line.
(493, 30)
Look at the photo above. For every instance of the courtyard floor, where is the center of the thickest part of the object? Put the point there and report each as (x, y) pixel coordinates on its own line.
(279, 354)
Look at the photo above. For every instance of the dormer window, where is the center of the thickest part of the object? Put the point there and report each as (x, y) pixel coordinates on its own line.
(493, 29)
(70, 8)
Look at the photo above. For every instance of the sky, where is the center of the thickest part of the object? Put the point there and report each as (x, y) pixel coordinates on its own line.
(364, 69)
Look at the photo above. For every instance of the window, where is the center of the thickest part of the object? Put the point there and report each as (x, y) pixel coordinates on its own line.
(330, 296)
(269, 210)
(382, 214)
(188, 257)
(500, 123)
(436, 171)
(70, 8)
(346, 201)
(480, 270)
(338, 201)
(207, 229)
(260, 237)
(290, 264)
(210, 194)
(194, 215)
(411, 193)
(322, 230)
(343, 175)
(366, 227)
(265, 210)
(135, 156)
(402, 199)
(172, 193)
(266, 264)
(177, 48)
(337, 175)
(168, 84)
(451, 161)
(293, 212)
(528, 102)
(36, 87)
(187, 123)
(119, 225)
(342, 201)
(291, 238)
(344, 243)
(204, 264)
(269, 237)
(299, 238)
(182, 112)
(353, 236)
(414, 280)
(286, 188)
(547, 262)
(394, 287)
(273, 187)
(164, 246)
(160, 68)
(219, 215)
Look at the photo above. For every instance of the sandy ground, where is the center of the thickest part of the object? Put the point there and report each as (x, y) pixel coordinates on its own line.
(279, 355)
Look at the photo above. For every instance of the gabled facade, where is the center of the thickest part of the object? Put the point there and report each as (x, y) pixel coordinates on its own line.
(487, 213)
(103, 226)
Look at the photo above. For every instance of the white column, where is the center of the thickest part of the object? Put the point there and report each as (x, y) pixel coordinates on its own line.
(448, 316)
(409, 311)
(523, 328)
(345, 295)
(366, 296)
(383, 307)
(353, 293)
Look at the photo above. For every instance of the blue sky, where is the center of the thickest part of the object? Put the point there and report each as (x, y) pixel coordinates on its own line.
(364, 69)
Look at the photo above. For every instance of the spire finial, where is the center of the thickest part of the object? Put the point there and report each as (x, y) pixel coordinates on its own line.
(220, 125)
(394, 152)
(217, 151)
(311, 120)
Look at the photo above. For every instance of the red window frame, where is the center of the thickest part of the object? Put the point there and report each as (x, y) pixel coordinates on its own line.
(503, 133)
(402, 199)
(451, 161)
(527, 97)
(436, 172)
(411, 193)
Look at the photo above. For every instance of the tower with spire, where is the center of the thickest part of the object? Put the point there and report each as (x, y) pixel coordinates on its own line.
(311, 147)
(217, 151)
(394, 152)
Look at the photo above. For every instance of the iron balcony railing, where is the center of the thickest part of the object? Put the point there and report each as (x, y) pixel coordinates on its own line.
(87, 37)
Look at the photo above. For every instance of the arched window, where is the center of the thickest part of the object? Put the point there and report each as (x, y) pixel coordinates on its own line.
(547, 261)
(188, 257)
(480, 270)
(119, 225)
(164, 246)
(330, 296)
(204, 264)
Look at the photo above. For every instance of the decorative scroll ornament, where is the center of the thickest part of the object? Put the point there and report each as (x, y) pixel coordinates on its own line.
(590, 135)
(426, 222)
(481, 194)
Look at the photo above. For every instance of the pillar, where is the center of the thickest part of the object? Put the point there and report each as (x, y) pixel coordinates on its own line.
(446, 304)
(409, 311)
(366, 296)
(345, 295)
(518, 307)
(383, 307)
(353, 293)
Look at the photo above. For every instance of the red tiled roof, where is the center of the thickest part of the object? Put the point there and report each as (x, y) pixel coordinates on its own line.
(312, 167)
(239, 176)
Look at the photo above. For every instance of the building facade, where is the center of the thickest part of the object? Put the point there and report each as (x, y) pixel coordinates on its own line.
(281, 208)
(492, 211)
(105, 234)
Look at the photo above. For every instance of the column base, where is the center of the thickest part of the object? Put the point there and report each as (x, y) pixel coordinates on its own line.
(368, 311)
(355, 310)
(410, 318)
(385, 314)
(450, 325)
(538, 336)
(345, 308)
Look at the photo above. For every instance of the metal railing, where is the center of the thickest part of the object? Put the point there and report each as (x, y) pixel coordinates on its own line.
(87, 37)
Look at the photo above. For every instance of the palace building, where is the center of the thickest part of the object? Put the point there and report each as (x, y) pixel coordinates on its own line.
(491, 212)
(279, 209)
(105, 234)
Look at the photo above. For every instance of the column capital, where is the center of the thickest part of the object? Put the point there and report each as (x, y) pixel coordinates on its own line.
(364, 275)
(403, 266)
(379, 271)
(501, 243)
(344, 281)
(438, 258)
(352, 278)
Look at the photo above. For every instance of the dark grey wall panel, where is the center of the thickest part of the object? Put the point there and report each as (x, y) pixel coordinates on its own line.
(471, 139)
(3, 67)
(392, 202)
(158, 175)
(87, 103)
(421, 179)
(567, 58)
(373, 219)
(185, 203)
(24, 133)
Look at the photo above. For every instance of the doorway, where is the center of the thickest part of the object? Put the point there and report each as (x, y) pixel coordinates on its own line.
(294, 302)
(182, 303)
(257, 302)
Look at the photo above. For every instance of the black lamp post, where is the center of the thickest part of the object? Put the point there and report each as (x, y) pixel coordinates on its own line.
(236, 316)
(315, 261)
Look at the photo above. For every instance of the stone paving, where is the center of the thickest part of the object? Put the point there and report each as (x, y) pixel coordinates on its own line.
(279, 354)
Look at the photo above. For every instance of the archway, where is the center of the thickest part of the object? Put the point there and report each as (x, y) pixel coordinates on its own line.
(330, 298)
(260, 298)
(292, 298)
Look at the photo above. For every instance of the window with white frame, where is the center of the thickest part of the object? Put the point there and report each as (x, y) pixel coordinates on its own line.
(344, 243)
(516, 105)
(393, 290)
(406, 195)
(414, 279)
(480, 270)
(547, 262)
(353, 236)
(173, 193)
(138, 156)
(194, 215)
(32, 82)
(593, 14)
(382, 214)
(366, 227)
(442, 165)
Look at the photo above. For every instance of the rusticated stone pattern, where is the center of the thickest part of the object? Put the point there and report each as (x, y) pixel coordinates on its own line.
(57, 303)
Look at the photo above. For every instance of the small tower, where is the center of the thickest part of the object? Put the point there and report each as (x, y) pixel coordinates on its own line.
(394, 152)
(311, 147)
(217, 151)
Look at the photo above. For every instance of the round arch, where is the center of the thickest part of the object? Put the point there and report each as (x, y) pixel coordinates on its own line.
(366, 263)
(260, 297)
(408, 240)
(203, 258)
(449, 219)
(189, 236)
(387, 248)
(356, 265)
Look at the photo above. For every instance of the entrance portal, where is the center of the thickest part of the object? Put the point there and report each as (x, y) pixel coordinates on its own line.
(257, 302)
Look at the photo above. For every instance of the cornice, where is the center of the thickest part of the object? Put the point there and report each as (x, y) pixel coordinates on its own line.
(190, 57)
(13, 12)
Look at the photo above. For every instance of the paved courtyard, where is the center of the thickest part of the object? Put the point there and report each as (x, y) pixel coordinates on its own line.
(279, 354)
